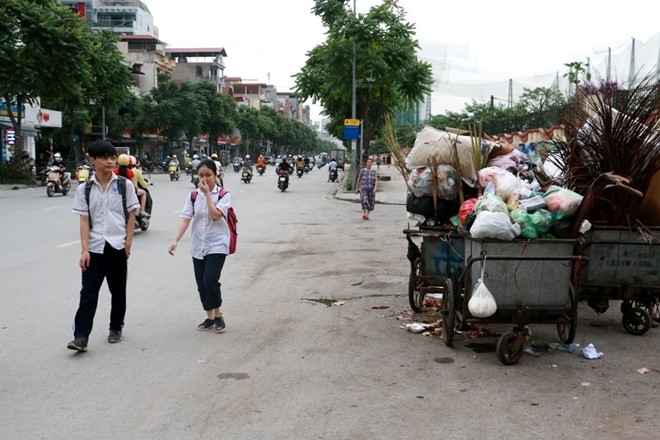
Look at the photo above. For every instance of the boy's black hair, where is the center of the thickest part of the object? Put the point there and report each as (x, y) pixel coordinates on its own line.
(101, 148)
(208, 163)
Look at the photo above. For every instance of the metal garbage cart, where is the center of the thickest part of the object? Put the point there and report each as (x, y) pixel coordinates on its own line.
(531, 283)
(622, 264)
(441, 255)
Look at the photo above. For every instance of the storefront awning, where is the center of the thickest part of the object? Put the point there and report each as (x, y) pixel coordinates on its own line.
(26, 130)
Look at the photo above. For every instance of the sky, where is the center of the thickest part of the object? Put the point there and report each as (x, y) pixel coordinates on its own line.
(468, 41)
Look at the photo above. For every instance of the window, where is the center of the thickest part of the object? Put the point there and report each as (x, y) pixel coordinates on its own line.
(198, 71)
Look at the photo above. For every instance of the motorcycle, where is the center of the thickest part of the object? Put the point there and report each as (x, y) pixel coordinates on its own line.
(282, 181)
(237, 167)
(195, 179)
(261, 169)
(173, 170)
(306, 168)
(82, 173)
(247, 175)
(57, 184)
(299, 172)
(142, 223)
(332, 175)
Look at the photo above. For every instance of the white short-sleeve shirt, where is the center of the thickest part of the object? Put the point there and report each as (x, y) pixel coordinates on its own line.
(208, 236)
(107, 211)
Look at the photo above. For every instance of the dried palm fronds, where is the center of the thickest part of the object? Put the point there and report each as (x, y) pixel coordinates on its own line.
(610, 130)
(391, 142)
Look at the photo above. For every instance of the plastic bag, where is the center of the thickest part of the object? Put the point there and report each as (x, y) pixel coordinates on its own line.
(532, 225)
(421, 182)
(563, 202)
(506, 184)
(482, 303)
(466, 208)
(494, 225)
(492, 204)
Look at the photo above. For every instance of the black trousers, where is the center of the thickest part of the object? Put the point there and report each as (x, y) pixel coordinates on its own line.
(207, 276)
(112, 266)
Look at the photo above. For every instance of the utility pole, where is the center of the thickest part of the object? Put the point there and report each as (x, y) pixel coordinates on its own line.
(355, 160)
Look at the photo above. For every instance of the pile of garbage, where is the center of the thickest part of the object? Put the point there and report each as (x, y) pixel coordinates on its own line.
(502, 200)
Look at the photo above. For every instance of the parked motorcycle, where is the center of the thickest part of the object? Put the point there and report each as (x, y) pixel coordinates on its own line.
(247, 175)
(173, 170)
(82, 173)
(282, 181)
(261, 169)
(56, 182)
(299, 172)
(332, 175)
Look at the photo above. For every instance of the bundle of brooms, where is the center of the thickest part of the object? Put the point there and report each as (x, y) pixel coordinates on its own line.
(608, 133)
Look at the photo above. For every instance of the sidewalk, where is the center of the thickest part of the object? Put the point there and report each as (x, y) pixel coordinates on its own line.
(390, 192)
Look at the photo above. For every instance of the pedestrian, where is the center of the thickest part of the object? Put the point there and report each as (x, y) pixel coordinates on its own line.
(367, 184)
(378, 162)
(106, 236)
(207, 207)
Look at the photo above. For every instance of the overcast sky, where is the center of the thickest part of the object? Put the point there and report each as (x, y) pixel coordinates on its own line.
(267, 40)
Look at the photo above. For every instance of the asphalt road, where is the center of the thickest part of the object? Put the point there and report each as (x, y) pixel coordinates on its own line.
(289, 366)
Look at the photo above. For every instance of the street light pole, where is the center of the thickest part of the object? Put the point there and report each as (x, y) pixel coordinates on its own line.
(355, 161)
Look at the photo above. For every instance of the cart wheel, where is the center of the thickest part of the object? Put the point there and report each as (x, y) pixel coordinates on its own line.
(636, 321)
(415, 295)
(449, 312)
(567, 330)
(508, 349)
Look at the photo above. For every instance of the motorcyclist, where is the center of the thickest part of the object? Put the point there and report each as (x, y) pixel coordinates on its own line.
(299, 162)
(220, 176)
(261, 162)
(284, 167)
(195, 163)
(332, 167)
(58, 162)
(125, 169)
(247, 163)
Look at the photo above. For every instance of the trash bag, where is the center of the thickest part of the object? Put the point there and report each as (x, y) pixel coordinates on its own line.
(561, 228)
(466, 208)
(532, 225)
(469, 220)
(563, 202)
(482, 303)
(421, 182)
(492, 204)
(494, 225)
(424, 206)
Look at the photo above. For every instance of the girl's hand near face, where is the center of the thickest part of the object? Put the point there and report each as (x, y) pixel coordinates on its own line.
(203, 186)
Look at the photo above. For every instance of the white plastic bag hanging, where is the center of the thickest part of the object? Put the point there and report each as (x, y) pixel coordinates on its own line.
(482, 303)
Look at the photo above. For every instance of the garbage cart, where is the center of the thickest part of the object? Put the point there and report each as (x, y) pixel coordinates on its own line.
(531, 283)
(622, 264)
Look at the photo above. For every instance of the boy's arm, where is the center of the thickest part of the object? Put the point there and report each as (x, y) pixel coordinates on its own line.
(130, 231)
(84, 243)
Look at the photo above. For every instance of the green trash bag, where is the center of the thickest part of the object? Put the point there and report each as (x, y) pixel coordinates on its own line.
(533, 225)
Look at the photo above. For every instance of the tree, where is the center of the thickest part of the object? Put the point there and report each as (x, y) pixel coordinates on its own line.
(220, 117)
(542, 104)
(388, 73)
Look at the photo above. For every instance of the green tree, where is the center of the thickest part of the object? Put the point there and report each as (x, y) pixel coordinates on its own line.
(220, 117)
(388, 73)
(542, 105)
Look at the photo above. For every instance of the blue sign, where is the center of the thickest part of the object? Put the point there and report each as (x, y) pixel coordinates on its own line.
(351, 133)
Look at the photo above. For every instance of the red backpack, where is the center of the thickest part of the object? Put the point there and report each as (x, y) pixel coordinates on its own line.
(231, 219)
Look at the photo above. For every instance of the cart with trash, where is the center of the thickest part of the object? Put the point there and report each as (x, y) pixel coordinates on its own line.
(530, 281)
(622, 263)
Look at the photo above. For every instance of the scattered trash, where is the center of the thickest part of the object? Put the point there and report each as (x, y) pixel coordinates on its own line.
(339, 303)
(532, 351)
(585, 384)
(415, 327)
(643, 370)
(201, 361)
(570, 348)
(380, 307)
(590, 352)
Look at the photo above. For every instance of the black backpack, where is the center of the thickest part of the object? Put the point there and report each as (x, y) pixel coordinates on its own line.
(121, 187)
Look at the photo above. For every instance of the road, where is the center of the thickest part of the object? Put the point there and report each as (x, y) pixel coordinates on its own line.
(314, 301)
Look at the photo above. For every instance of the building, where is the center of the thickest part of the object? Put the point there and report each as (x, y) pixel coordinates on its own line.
(199, 64)
(128, 17)
(145, 55)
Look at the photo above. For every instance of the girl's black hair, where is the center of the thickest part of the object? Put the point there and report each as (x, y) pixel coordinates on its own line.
(101, 148)
(208, 163)
(123, 171)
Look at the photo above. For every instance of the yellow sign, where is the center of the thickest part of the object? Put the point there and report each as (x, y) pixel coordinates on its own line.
(352, 122)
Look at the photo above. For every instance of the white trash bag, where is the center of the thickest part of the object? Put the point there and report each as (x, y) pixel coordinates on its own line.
(482, 303)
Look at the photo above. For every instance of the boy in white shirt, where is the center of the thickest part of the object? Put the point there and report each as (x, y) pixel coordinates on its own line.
(106, 236)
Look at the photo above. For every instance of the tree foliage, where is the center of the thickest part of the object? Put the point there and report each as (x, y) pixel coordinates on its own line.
(388, 73)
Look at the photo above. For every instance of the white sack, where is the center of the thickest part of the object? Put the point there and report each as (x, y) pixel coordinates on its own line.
(494, 225)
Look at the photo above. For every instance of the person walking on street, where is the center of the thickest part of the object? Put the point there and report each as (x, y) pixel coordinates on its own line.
(106, 237)
(367, 184)
(207, 207)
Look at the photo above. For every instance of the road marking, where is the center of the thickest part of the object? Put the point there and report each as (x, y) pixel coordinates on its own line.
(71, 243)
